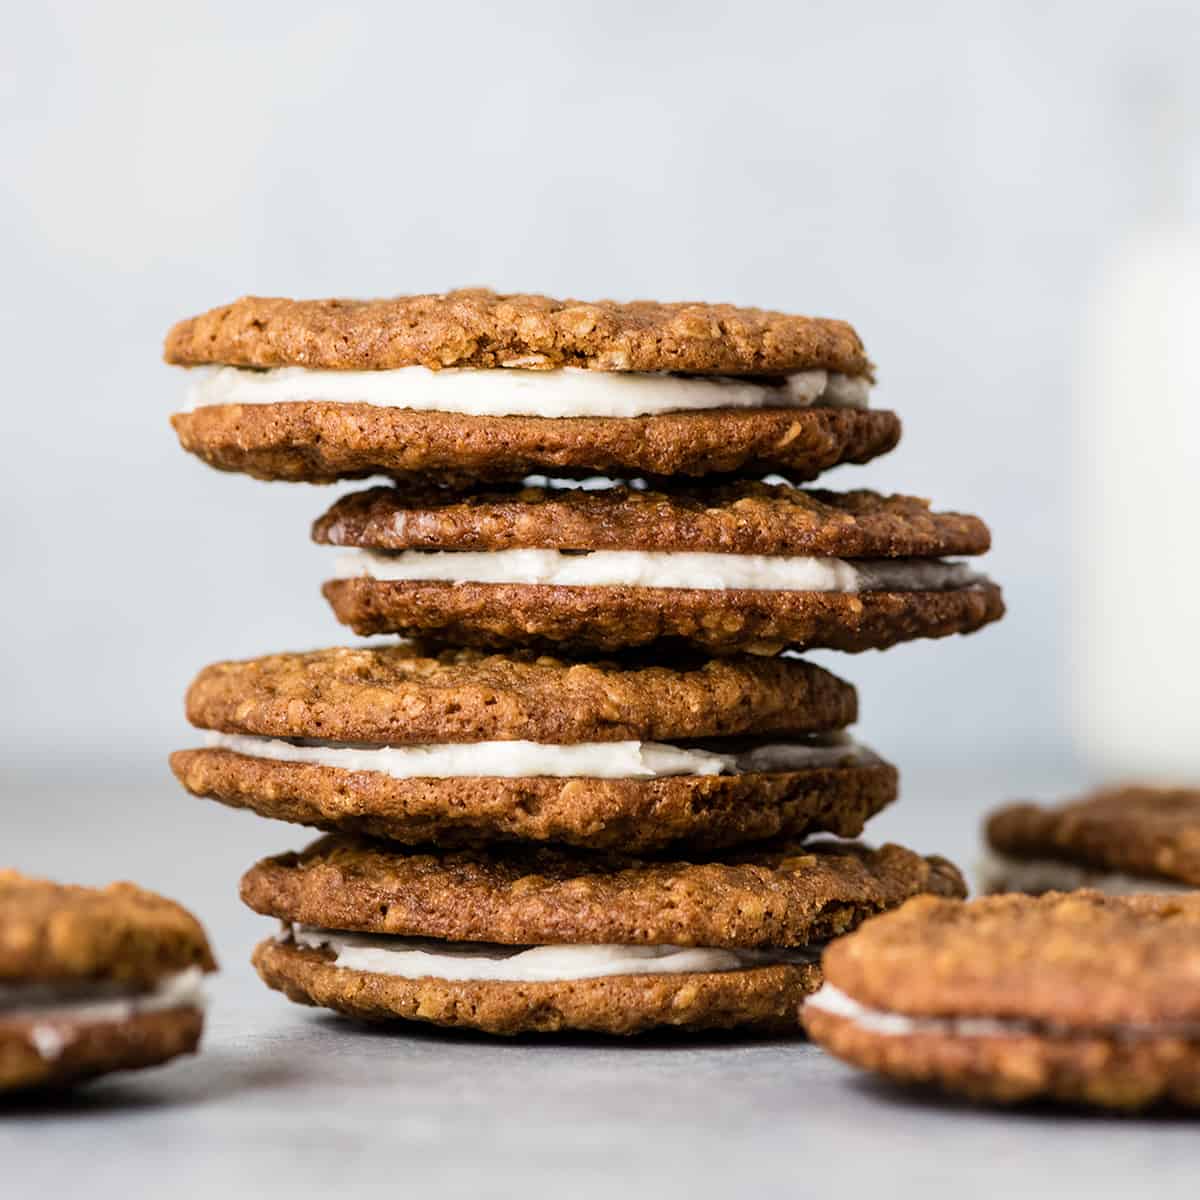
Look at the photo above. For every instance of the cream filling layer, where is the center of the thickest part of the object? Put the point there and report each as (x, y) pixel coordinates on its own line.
(421, 958)
(510, 392)
(1003, 873)
(891, 1024)
(659, 569)
(522, 759)
(56, 1008)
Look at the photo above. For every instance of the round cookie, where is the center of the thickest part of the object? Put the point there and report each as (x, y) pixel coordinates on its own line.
(475, 327)
(765, 907)
(94, 980)
(1078, 997)
(727, 518)
(867, 568)
(403, 695)
(764, 999)
(317, 437)
(1118, 840)
(636, 815)
(281, 725)
(607, 619)
(318, 442)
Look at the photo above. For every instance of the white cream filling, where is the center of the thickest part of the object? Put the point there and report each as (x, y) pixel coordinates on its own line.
(563, 392)
(892, 1024)
(522, 759)
(659, 569)
(420, 958)
(56, 1009)
(1003, 873)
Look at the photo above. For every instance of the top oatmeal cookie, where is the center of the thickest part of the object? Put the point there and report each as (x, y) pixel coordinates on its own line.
(475, 327)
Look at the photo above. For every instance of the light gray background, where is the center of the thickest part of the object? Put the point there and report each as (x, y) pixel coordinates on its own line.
(951, 177)
(948, 176)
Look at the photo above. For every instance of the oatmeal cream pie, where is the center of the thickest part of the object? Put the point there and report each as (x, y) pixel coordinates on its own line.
(539, 939)
(472, 385)
(742, 566)
(1073, 997)
(94, 980)
(459, 747)
(1120, 841)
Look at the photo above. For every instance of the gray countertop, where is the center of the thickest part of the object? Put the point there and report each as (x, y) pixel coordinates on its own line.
(288, 1101)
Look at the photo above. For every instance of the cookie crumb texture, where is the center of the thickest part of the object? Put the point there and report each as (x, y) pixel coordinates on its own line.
(591, 620)
(731, 518)
(93, 1048)
(403, 695)
(323, 442)
(783, 894)
(1152, 832)
(53, 932)
(476, 327)
(631, 815)
(764, 999)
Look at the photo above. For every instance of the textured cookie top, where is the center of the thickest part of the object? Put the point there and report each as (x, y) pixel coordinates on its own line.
(1078, 959)
(400, 695)
(782, 894)
(59, 932)
(475, 327)
(738, 518)
(1142, 831)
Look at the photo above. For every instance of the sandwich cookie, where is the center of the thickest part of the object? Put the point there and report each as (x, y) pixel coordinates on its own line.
(535, 939)
(472, 386)
(750, 567)
(1074, 997)
(94, 980)
(460, 747)
(1119, 841)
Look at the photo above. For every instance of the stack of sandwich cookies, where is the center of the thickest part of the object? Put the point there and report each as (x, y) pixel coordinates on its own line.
(460, 747)
(538, 939)
(734, 567)
(1079, 998)
(94, 980)
(594, 747)
(1120, 841)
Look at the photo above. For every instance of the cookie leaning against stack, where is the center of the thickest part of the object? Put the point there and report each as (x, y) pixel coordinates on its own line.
(458, 398)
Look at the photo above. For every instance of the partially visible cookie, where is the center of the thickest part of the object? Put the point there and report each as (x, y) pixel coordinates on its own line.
(94, 980)
(539, 939)
(1073, 997)
(1117, 840)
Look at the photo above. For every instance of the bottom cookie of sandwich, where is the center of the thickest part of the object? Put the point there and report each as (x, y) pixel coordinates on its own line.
(765, 998)
(49, 1052)
(533, 939)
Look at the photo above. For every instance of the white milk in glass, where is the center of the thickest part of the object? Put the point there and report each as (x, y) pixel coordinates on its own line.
(1136, 680)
